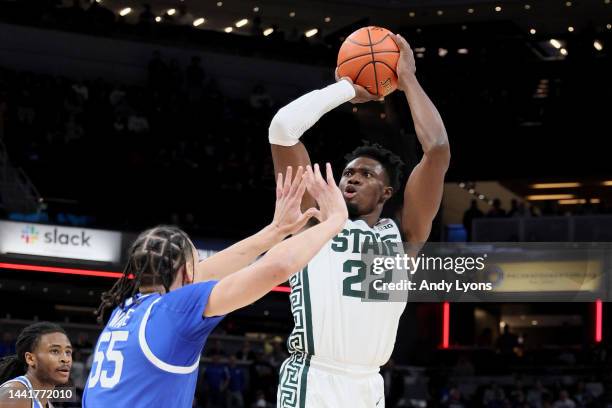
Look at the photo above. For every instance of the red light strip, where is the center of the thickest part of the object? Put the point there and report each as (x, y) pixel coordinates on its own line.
(598, 320)
(86, 272)
(65, 271)
(445, 325)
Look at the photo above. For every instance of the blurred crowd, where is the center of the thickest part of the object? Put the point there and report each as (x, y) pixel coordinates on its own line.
(176, 137)
(521, 209)
(519, 395)
(98, 150)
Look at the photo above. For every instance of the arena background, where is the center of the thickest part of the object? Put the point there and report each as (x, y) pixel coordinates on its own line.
(119, 115)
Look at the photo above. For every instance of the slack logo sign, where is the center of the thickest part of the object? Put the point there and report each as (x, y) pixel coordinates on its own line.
(60, 238)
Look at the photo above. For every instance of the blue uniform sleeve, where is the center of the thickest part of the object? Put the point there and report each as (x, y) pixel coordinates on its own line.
(187, 306)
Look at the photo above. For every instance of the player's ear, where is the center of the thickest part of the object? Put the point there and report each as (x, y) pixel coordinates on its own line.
(186, 275)
(387, 193)
(30, 359)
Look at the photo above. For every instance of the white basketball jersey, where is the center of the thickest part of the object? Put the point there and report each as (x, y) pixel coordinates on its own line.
(333, 323)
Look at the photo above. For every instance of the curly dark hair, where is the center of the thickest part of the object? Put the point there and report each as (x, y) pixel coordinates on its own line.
(393, 165)
(154, 258)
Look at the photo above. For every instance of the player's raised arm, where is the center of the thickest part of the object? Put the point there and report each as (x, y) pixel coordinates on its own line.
(423, 191)
(288, 219)
(285, 259)
(291, 121)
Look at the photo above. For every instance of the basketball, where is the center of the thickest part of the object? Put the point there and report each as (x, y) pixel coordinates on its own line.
(369, 57)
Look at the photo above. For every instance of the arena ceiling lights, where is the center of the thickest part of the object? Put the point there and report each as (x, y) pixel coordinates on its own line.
(556, 185)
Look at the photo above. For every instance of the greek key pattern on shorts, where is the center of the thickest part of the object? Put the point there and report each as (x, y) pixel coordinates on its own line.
(301, 339)
(292, 384)
(297, 340)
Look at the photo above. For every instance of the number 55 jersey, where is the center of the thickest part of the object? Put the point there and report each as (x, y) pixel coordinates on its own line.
(149, 352)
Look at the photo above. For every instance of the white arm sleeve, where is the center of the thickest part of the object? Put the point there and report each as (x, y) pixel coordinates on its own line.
(291, 121)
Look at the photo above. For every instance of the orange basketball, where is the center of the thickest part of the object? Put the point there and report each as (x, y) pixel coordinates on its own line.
(369, 57)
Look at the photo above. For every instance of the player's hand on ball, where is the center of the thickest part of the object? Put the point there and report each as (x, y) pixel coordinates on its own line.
(327, 194)
(361, 94)
(406, 66)
(288, 216)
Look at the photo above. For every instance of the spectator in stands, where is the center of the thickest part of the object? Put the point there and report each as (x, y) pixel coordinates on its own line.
(260, 400)
(263, 376)
(217, 377)
(216, 349)
(521, 211)
(493, 396)
(277, 354)
(138, 123)
(469, 216)
(454, 399)
(564, 401)
(496, 210)
(537, 395)
(583, 396)
(519, 400)
(513, 211)
(237, 385)
(246, 353)
(82, 92)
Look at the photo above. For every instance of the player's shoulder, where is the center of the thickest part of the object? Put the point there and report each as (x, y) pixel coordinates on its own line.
(7, 393)
(184, 297)
(385, 224)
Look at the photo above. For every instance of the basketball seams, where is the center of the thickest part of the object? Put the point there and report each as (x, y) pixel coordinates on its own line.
(373, 61)
(357, 59)
(366, 54)
(356, 43)
(387, 65)
(376, 43)
(383, 39)
(361, 70)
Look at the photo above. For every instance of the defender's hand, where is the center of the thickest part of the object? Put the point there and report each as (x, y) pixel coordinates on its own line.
(327, 194)
(288, 216)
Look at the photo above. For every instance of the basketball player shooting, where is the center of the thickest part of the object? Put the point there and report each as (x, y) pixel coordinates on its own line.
(339, 342)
